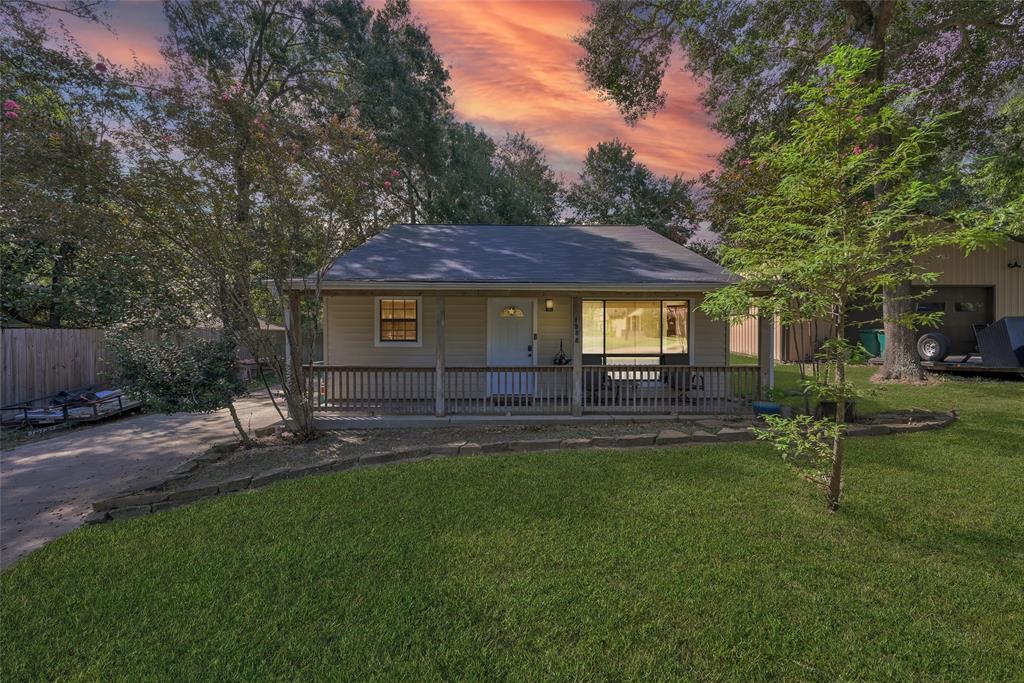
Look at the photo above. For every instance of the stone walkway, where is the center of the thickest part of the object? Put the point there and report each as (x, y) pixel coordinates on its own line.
(48, 487)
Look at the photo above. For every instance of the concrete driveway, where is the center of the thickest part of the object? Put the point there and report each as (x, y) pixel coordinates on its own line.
(48, 487)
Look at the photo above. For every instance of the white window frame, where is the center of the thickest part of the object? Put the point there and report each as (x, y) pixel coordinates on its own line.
(378, 342)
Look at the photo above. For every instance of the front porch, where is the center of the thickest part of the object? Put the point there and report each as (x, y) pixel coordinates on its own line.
(592, 380)
(536, 390)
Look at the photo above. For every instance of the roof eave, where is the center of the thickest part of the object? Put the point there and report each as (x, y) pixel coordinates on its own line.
(306, 284)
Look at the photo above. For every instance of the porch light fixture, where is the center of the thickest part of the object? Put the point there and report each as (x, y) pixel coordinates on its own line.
(511, 312)
(549, 305)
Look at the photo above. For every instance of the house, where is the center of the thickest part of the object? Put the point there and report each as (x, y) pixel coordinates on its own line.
(972, 289)
(510, 320)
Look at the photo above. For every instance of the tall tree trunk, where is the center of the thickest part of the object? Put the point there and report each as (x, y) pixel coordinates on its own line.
(58, 275)
(299, 388)
(900, 360)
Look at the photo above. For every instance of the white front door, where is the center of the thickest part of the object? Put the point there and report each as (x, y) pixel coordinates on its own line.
(510, 343)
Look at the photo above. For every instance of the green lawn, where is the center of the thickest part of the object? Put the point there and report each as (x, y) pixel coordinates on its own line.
(701, 563)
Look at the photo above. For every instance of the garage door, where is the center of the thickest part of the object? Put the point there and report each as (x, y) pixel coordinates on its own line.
(962, 308)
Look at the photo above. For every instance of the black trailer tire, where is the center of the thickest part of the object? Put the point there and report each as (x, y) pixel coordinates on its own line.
(933, 346)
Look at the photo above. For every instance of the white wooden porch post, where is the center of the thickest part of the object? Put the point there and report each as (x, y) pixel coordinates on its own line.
(577, 356)
(439, 361)
(765, 353)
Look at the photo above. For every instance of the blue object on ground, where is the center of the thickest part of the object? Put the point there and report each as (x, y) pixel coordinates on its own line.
(766, 408)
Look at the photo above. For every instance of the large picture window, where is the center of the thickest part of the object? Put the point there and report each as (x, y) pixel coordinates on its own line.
(635, 332)
(398, 321)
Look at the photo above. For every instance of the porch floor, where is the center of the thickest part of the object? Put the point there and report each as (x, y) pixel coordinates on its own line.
(348, 421)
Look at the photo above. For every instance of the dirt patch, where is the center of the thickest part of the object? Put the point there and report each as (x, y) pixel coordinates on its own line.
(275, 452)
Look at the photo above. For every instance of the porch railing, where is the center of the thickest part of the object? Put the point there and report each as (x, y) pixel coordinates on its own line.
(511, 390)
(669, 388)
(639, 389)
(373, 390)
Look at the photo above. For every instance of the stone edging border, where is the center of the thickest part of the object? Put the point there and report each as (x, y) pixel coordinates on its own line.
(145, 502)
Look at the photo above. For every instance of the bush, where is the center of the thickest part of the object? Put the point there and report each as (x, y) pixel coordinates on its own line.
(179, 373)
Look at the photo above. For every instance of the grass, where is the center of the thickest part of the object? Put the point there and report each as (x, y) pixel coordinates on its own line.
(700, 563)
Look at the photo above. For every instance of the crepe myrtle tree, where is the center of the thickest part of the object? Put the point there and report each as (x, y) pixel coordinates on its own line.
(245, 166)
(818, 243)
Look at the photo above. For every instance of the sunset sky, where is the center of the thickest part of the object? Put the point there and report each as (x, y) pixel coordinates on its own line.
(513, 66)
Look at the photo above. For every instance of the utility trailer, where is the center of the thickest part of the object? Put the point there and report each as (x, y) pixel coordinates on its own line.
(1000, 350)
(73, 406)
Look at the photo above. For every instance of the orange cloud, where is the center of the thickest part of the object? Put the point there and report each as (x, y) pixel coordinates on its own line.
(133, 31)
(513, 65)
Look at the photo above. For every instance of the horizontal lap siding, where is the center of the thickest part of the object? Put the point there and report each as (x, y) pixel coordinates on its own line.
(985, 267)
(710, 337)
(350, 337)
(553, 327)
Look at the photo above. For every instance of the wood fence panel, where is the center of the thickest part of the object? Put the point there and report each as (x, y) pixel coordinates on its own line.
(37, 362)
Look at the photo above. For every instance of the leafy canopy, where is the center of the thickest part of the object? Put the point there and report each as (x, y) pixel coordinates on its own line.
(613, 187)
(841, 220)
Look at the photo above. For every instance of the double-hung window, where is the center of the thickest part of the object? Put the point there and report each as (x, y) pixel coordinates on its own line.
(398, 321)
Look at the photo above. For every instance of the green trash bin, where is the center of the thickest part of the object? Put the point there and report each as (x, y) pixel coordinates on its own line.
(881, 342)
(872, 340)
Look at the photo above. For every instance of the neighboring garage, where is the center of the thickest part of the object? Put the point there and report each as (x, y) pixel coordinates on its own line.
(962, 306)
(975, 289)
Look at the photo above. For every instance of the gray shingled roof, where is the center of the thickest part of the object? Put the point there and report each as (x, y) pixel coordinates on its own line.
(511, 254)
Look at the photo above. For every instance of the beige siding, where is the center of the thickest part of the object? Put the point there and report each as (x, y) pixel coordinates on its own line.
(553, 327)
(349, 333)
(710, 337)
(985, 267)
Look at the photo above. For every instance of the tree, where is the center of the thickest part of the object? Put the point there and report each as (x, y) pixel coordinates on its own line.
(65, 256)
(484, 182)
(244, 166)
(526, 189)
(962, 55)
(613, 187)
(712, 251)
(819, 243)
(995, 179)
(399, 86)
(463, 189)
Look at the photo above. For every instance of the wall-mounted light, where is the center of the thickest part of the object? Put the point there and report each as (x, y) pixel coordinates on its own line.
(549, 305)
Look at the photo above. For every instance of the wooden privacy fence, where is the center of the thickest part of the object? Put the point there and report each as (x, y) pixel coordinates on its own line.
(39, 362)
(42, 362)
